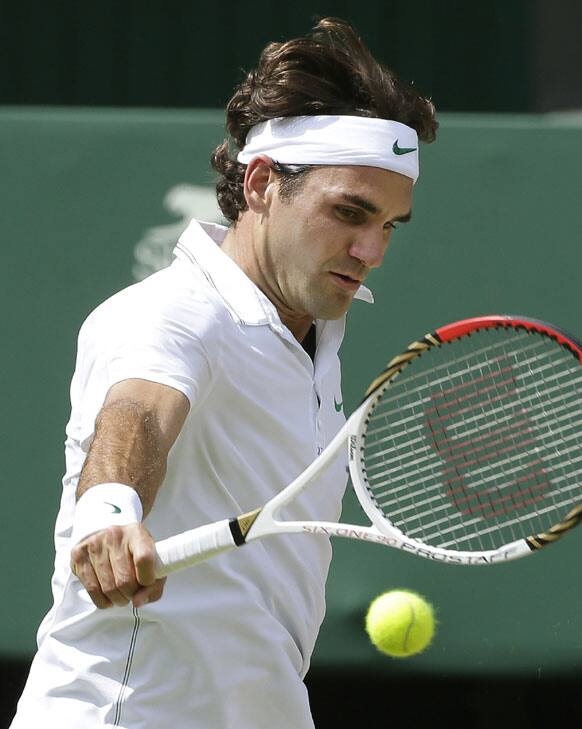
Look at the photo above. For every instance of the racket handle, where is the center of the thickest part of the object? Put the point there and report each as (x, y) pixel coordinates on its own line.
(191, 547)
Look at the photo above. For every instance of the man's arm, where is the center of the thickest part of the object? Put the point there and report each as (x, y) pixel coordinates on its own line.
(134, 431)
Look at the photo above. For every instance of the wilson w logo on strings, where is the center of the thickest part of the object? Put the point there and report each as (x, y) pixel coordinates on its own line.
(482, 430)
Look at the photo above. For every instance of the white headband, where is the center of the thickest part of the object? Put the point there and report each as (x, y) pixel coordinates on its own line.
(335, 140)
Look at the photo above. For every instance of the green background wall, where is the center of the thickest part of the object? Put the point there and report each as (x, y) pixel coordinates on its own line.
(90, 199)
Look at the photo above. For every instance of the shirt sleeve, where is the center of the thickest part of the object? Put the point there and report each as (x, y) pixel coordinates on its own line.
(164, 352)
(174, 344)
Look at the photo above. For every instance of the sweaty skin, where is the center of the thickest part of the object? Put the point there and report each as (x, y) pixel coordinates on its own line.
(310, 255)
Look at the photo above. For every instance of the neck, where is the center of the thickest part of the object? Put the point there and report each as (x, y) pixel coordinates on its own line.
(240, 244)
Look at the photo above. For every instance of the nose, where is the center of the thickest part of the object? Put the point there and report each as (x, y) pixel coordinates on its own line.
(370, 248)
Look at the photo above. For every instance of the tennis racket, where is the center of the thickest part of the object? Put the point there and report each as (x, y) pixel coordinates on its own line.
(467, 449)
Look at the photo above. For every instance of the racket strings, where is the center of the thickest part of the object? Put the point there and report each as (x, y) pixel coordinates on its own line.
(474, 451)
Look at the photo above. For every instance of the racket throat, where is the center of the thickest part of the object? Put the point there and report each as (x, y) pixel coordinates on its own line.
(240, 526)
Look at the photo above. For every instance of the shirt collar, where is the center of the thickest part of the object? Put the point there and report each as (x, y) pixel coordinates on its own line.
(200, 243)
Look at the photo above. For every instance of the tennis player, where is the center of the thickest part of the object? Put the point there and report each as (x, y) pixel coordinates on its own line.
(203, 390)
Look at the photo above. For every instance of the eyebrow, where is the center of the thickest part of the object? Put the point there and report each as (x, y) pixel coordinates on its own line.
(371, 208)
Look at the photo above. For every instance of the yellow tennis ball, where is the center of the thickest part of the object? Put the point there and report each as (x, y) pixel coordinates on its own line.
(400, 623)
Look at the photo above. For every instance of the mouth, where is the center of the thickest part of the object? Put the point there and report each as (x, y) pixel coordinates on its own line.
(345, 282)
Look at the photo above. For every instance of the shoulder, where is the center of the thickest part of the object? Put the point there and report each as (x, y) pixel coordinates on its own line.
(174, 300)
(166, 329)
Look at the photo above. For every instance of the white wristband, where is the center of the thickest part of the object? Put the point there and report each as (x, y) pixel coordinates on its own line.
(104, 505)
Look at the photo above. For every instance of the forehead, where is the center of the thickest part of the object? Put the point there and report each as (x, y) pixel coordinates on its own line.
(382, 187)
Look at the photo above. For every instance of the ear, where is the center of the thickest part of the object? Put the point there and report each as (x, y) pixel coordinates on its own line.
(258, 177)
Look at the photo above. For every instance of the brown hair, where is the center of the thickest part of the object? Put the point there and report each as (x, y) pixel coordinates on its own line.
(329, 71)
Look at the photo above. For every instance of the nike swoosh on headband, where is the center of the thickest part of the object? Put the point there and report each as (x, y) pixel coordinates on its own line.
(402, 150)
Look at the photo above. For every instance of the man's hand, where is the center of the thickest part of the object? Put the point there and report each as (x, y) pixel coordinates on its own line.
(117, 566)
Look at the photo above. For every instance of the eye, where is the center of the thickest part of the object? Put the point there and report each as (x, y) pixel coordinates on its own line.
(391, 226)
(348, 213)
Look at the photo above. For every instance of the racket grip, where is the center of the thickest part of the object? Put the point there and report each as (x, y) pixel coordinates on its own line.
(191, 547)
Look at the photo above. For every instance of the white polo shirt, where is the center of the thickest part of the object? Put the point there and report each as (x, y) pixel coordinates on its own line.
(231, 639)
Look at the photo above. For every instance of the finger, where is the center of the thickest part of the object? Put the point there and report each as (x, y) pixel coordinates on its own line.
(100, 558)
(124, 573)
(121, 559)
(148, 594)
(144, 558)
(86, 575)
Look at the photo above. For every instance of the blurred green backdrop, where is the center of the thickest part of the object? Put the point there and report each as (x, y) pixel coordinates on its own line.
(93, 199)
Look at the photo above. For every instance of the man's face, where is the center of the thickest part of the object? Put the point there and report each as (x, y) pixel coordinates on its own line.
(318, 247)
